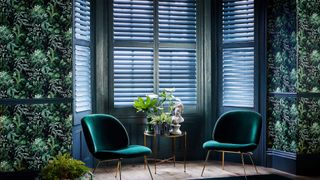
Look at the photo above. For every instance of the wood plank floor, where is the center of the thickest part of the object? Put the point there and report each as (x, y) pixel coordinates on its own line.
(167, 171)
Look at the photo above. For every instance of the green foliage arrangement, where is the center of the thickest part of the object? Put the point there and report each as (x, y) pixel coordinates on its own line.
(64, 167)
(147, 106)
(161, 118)
(158, 107)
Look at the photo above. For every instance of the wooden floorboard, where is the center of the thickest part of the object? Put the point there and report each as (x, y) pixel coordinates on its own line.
(167, 171)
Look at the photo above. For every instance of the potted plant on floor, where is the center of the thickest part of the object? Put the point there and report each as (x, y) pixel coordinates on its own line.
(65, 167)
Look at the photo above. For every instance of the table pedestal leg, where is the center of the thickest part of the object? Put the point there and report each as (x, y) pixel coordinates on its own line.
(155, 152)
(185, 151)
(145, 144)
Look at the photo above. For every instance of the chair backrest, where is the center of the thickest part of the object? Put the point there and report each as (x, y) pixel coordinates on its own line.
(238, 127)
(104, 132)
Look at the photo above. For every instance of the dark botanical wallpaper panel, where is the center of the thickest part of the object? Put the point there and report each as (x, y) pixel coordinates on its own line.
(294, 76)
(309, 45)
(282, 112)
(309, 125)
(283, 120)
(35, 49)
(35, 63)
(281, 41)
(30, 135)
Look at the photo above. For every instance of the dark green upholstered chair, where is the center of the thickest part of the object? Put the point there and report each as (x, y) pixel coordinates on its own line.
(107, 139)
(235, 132)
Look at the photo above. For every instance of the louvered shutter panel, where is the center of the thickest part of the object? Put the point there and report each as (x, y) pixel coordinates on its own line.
(82, 79)
(238, 53)
(133, 74)
(132, 66)
(133, 20)
(82, 56)
(177, 66)
(177, 69)
(82, 20)
(177, 21)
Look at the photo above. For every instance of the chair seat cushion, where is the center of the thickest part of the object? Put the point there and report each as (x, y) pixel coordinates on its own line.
(130, 151)
(215, 145)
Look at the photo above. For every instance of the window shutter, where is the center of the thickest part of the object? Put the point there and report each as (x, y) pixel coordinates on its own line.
(133, 74)
(238, 53)
(82, 56)
(82, 20)
(133, 20)
(177, 66)
(82, 78)
(177, 69)
(177, 21)
(154, 47)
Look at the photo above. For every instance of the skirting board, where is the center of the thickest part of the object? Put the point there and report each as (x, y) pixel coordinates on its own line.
(299, 164)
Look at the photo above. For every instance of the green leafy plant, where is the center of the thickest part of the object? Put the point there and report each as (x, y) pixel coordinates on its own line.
(146, 105)
(162, 118)
(158, 107)
(64, 167)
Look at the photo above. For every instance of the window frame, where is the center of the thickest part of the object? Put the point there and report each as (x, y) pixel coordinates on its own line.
(130, 111)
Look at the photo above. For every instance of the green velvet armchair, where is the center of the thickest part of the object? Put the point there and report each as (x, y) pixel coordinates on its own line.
(235, 132)
(107, 139)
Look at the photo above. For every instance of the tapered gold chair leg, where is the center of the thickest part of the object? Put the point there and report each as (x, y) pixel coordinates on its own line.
(255, 167)
(244, 169)
(146, 161)
(205, 162)
(120, 168)
(95, 167)
(117, 169)
(222, 160)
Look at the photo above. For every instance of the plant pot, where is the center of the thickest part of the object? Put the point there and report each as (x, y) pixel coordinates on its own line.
(162, 129)
(149, 128)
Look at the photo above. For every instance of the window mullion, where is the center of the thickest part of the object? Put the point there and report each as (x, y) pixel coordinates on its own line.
(156, 45)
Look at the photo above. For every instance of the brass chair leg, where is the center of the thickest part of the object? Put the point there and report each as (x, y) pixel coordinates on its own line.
(205, 162)
(222, 160)
(244, 169)
(95, 167)
(117, 169)
(255, 167)
(146, 161)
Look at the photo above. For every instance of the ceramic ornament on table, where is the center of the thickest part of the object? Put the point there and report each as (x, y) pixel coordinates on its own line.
(177, 119)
